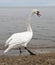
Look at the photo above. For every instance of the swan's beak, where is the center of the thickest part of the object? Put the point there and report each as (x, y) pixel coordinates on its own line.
(38, 14)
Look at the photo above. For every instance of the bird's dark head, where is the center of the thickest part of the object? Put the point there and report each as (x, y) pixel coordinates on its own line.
(35, 11)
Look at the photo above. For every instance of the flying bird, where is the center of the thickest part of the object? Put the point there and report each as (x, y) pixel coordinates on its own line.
(18, 40)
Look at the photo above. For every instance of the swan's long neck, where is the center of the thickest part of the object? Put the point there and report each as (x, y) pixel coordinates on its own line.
(29, 23)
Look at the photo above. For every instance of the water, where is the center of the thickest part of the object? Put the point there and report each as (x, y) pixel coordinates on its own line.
(24, 52)
(14, 20)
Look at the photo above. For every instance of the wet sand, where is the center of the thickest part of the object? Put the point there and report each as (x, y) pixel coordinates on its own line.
(39, 59)
(16, 52)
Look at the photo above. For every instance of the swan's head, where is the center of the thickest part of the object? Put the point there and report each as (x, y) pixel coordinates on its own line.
(35, 11)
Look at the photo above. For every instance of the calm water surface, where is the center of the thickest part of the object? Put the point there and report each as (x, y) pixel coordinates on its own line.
(14, 20)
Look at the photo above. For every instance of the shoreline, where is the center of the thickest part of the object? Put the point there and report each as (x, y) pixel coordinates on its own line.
(16, 52)
(39, 59)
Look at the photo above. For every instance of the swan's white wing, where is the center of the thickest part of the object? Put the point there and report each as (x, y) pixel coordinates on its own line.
(19, 38)
(9, 47)
(9, 39)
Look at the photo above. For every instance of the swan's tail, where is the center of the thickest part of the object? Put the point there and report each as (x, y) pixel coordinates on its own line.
(6, 50)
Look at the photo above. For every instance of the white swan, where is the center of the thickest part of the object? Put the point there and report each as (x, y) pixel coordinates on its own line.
(21, 39)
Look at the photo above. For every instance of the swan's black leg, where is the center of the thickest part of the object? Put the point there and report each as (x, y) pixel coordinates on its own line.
(20, 51)
(31, 53)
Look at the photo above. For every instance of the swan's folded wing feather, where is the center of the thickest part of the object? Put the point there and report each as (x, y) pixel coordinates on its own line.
(9, 40)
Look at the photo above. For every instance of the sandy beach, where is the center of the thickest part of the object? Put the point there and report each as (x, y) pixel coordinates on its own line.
(39, 59)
